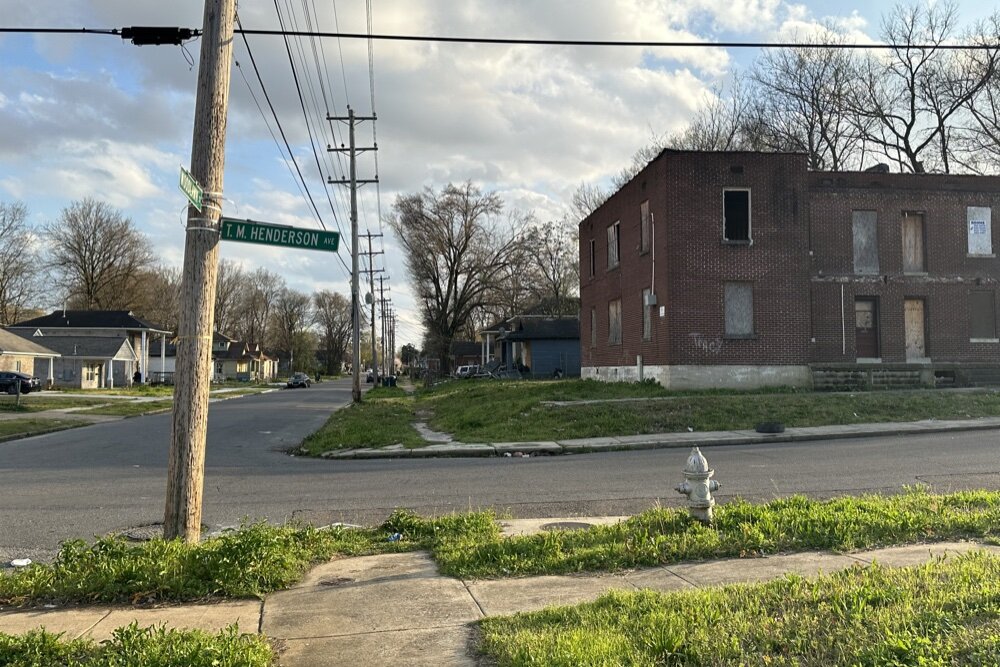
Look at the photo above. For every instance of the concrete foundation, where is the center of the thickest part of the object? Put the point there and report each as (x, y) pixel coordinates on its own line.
(705, 377)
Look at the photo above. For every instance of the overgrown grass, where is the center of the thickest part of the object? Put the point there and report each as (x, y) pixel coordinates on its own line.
(941, 614)
(132, 646)
(29, 426)
(385, 417)
(250, 562)
(660, 536)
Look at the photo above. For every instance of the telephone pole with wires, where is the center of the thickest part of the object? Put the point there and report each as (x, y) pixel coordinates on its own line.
(353, 182)
(371, 300)
(186, 463)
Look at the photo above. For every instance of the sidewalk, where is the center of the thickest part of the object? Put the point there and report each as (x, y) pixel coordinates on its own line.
(666, 440)
(397, 610)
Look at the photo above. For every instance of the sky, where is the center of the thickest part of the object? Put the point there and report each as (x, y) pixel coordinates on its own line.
(94, 116)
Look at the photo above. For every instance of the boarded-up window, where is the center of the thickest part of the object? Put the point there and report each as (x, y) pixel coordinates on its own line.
(593, 258)
(644, 226)
(980, 230)
(593, 327)
(647, 315)
(615, 322)
(865, 242)
(739, 309)
(982, 315)
(614, 236)
(913, 243)
(736, 215)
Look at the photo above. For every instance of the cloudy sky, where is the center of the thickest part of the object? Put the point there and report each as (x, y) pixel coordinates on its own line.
(94, 116)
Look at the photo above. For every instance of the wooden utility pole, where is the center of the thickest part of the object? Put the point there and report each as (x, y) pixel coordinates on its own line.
(186, 466)
(371, 286)
(353, 182)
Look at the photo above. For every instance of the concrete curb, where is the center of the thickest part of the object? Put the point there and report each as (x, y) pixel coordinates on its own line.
(667, 440)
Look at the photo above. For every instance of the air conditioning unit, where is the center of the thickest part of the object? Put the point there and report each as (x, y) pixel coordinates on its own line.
(649, 300)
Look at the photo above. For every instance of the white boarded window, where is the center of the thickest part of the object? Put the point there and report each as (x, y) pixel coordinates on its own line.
(614, 236)
(644, 226)
(615, 322)
(865, 231)
(739, 309)
(980, 230)
(647, 315)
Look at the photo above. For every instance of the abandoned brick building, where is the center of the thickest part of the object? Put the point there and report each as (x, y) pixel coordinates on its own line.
(741, 269)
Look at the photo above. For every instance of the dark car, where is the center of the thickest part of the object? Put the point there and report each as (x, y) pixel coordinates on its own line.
(298, 380)
(10, 379)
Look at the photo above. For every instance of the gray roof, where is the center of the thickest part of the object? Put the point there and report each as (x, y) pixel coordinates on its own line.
(534, 327)
(11, 343)
(89, 319)
(91, 347)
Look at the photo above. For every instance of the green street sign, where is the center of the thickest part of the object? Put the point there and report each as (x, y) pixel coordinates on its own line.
(190, 187)
(248, 231)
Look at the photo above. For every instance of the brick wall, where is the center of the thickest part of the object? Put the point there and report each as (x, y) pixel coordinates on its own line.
(8, 362)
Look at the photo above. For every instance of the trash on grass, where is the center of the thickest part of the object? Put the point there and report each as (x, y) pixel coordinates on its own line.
(395, 537)
(20, 562)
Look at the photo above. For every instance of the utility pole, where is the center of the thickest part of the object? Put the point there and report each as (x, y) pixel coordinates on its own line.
(381, 302)
(353, 182)
(186, 465)
(371, 288)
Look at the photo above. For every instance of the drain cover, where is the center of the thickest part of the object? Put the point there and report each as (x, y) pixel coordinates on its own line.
(565, 525)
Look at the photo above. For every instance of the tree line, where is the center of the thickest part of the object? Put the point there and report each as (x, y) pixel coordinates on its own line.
(94, 258)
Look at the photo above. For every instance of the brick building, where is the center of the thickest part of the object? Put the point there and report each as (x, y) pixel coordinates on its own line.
(743, 269)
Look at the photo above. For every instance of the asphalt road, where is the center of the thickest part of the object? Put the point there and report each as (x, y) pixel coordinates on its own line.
(96, 479)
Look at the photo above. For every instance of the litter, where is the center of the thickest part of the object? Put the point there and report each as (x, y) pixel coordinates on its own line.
(395, 537)
(21, 562)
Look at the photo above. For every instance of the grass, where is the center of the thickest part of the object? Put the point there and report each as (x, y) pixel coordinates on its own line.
(35, 403)
(251, 562)
(132, 645)
(28, 426)
(503, 411)
(384, 418)
(936, 615)
(130, 408)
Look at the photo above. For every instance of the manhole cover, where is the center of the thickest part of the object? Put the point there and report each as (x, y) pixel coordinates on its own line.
(565, 525)
(335, 581)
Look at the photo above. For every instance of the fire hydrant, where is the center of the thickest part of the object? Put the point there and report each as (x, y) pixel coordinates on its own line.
(698, 486)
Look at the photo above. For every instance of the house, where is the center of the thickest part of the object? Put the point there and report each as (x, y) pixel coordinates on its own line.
(539, 345)
(22, 355)
(232, 360)
(91, 362)
(464, 353)
(116, 324)
(743, 269)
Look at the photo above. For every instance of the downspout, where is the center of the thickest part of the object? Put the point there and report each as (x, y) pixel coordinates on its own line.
(843, 325)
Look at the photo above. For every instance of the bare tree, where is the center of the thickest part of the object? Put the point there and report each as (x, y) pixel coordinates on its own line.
(556, 262)
(158, 297)
(978, 138)
(290, 317)
(227, 295)
(332, 314)
(586, 199)
(98, 254)
(258, 294)
(458, 246)
(19, 289)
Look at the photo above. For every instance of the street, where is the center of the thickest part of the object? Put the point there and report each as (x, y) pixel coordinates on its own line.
(88, 481)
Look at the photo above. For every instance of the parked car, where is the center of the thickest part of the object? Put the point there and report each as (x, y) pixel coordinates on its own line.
(10, 379)
(298, 380)
(466, 371)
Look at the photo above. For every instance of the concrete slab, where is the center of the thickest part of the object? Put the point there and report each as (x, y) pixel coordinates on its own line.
(527, 447)
(658, 579)
(377, 593)
(444, 647)
(512, 527)
(454, 449)
(208, 617)
(509, 596)
(392, 451)
(740, 570)
(916, 554)
(590, 444)
(73, 622)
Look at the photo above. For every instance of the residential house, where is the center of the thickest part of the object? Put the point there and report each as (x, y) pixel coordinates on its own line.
(116, 324)
(464, 353)
(91, 362)
(232, 360)
(538, 345)
(743, 269)
(26, 356)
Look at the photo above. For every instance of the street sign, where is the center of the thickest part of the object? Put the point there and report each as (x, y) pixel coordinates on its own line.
(190, 187)
(248, 231)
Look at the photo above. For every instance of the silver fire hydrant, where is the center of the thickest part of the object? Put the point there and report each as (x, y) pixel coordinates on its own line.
(698, 486)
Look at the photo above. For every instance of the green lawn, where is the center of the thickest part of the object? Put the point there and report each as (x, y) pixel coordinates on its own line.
(29, 426)
(36, 403)
(941, 614)
(503, 411)
(130, 408)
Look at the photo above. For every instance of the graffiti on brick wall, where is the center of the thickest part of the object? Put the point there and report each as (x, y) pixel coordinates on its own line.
(706, 344)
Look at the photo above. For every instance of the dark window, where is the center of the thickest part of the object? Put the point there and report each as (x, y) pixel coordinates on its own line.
(593, 260)
(739, 309)
(614, 238)
(866, 338)
(982, 315)
(644, 226)
(865, 232)
(736, 213)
